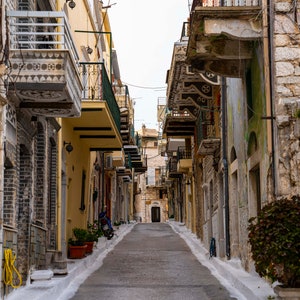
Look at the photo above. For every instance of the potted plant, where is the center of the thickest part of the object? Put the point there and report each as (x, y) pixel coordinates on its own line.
(91, 238)
(274, 236)
(77, 247)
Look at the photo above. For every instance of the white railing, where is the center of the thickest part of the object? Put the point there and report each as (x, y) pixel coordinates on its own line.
(40, 30)
(229, 3)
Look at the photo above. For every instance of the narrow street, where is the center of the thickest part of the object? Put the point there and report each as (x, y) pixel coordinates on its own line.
(151, 262)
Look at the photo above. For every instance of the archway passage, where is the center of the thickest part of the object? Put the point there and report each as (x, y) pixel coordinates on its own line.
(155, 214)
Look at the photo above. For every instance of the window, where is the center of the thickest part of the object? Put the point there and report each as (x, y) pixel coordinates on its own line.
(82, 205)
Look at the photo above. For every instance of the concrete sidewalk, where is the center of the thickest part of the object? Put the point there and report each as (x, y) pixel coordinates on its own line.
(78, 271)
(229, 273)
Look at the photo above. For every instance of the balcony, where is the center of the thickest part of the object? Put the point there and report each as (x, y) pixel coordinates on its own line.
(189, 92)
(44, 76)
(118, 159)
(184, 157)
(172, 171)
(134, 159)
(208, 139)
(222, 35)
(160, 178)
(179, 124)
(99, 124)
(126, 113)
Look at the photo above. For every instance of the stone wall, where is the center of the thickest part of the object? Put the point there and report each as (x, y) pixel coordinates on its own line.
(286, 96)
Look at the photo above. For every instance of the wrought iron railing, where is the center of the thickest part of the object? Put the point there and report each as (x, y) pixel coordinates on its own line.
(205, 126)
(185, 32)
(183, 153)
(172, 165)
(215, 3)
(122, 95)
(40, 30)
(97, 87)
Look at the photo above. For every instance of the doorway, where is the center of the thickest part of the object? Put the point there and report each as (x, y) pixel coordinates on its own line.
(155, 214)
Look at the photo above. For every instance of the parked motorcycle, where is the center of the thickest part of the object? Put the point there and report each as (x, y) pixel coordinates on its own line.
(105, 225)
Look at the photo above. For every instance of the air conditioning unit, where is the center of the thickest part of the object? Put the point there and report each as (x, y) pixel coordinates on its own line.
(109, 162)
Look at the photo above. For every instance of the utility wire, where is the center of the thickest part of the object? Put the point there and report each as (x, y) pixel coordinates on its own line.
(145, 87)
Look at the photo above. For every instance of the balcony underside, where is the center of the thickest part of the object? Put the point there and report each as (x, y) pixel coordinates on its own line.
(223, 37)
(184, 81)
(184, 165)
(136, 161)
(46, 82)
(96, 127)
(118, 159)
(209, 146)
(179, 127)
(174, 174)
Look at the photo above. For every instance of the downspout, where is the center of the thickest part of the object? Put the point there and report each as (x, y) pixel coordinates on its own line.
(59, 178)
(225, 165)
(59, 189)
(102, 180)
(225, 162)
(132, 197)
(270, 17)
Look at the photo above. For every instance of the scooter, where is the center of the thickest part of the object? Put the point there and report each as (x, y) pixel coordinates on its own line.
(105, 225)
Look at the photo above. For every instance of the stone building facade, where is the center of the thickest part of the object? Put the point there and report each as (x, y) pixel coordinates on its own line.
(151, 203)
(249, 156)
(58, 125)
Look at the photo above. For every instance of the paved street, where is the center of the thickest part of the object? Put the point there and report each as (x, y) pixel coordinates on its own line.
(151, 262)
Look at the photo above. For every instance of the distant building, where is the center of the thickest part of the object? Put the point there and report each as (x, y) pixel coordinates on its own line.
(151, 204)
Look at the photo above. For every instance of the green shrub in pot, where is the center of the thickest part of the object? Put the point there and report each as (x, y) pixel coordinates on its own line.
(274, 236)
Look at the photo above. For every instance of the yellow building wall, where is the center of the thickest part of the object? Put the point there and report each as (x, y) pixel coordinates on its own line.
(76, 162)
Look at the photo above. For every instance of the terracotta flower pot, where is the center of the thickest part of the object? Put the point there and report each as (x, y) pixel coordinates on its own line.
(77, 251)
(90, 246)
(286, 293)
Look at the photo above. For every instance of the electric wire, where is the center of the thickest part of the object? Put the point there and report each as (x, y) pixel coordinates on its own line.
(146, 87)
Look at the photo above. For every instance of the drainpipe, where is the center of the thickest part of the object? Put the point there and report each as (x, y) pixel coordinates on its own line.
(102, 180)
(132, 197)
(225, 165)
(59, 191)
(270, 23)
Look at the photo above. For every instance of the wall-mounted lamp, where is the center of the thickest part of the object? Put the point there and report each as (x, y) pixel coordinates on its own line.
(188, 182)
(89, 50)
(68, 146)
(72, 4)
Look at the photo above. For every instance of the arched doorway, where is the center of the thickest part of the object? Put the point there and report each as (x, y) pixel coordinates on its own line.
(155, 214)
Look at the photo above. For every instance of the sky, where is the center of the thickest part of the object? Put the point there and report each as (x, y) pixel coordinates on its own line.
(240, 284)
(144, 33)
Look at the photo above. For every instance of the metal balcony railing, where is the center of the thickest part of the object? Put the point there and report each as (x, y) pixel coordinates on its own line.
(233, 3)
(206, 126)
(183, 153)
(40, 30)
(185, 32)
(172, 165)
(122, 95)
(97, 87)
